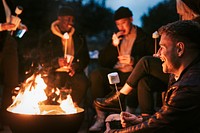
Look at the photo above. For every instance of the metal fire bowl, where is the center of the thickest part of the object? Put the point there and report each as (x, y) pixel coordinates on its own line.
(50, 123)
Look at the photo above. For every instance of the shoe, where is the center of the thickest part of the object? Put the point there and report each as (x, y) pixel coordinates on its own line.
(111, 103)
(98, 126)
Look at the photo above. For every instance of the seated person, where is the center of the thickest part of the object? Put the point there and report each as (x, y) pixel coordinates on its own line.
(9, 78)
(99, 80)
(146, 66)
(64, 55)
(180, 55)
(128, 45)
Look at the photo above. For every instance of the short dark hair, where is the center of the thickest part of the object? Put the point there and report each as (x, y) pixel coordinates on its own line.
(65, 11)
(122, 12)
(183, 30)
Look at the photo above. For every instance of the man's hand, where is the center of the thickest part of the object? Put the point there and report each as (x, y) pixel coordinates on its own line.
(66, 66)
(7, 26)
(16, 21)
(126, 59)
(22, 27)
(62, 62)
(128, 119)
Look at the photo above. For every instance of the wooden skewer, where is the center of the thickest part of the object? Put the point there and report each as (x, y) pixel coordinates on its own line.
(155, 45)
(118, 50)
(120, 104)
(65, 54)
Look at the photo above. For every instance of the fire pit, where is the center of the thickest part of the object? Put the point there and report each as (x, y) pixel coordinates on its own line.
(29, 113)
(51, 122)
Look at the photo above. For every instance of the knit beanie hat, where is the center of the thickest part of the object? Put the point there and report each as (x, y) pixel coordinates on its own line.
(65, 11)
(122, 12)
(194, 5)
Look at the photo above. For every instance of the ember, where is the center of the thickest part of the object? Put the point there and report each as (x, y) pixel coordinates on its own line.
(32, 95)
(29, 114)
(52, 121)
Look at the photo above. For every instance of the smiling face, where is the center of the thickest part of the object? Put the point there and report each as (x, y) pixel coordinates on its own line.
(168, 55)
(124, 25)
(66, 23)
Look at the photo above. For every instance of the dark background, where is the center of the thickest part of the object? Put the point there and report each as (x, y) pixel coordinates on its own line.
(93, 19)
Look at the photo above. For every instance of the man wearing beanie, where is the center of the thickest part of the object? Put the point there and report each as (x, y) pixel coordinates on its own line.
(127, 46)
(161, 122)
(64, 53)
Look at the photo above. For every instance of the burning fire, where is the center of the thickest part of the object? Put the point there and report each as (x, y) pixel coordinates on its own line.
(31, 96)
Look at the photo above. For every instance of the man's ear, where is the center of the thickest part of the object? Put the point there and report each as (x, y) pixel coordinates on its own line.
(180, 46)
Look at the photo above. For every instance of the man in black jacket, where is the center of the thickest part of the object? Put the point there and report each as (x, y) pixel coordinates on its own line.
(187, 10)
(180, 55)
(64, 52)
(128, 45)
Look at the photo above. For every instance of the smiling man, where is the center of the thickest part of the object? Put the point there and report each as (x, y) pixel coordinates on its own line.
(64, 53)
(127, 46)
(180, 55)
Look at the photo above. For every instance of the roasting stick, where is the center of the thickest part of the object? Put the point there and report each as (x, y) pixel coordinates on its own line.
(66, 36)
(18, 11)
(116, 42)
(118, 49)
(65, 52)
(155, 45)
(114, 79)
(155, 35)
(120, 104)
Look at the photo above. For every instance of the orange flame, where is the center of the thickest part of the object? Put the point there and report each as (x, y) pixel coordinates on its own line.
(28, 101)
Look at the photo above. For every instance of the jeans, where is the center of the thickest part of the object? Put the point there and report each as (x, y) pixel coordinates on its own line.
(147, 77)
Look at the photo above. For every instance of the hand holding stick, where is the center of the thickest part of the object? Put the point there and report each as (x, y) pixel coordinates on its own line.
(18, 11)
(114, 79)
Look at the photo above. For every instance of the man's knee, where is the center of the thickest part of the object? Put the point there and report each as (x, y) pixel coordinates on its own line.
(97, 74)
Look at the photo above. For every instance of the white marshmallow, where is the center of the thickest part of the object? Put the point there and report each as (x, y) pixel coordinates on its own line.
(113, 78)
(155, 35)
(18, 10)
(66, 35)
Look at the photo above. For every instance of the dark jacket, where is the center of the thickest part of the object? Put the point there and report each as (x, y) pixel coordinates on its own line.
(181, 107)
(51, 49)
(193, 4)
(3, 34)
(143, 45)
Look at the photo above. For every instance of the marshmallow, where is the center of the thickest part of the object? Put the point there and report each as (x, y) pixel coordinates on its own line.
(18, 10)
(155, 35)
(115, 39)
(113, 78)
(15, 20)
(66, 35)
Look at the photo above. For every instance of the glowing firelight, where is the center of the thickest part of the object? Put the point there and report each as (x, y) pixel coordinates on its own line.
(70, 108)
(32, 94)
